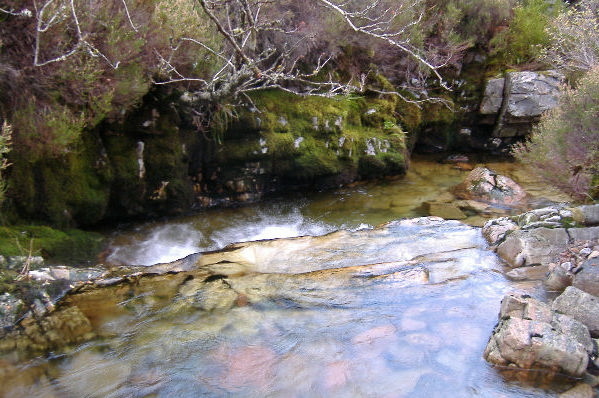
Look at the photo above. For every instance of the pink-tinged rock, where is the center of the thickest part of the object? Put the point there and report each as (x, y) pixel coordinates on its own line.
(378, 335)
(249, 367)
(336, 374)
(535, 345)
(484, 185)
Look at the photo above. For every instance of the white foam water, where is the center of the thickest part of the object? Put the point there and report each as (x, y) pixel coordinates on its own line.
(159, 243)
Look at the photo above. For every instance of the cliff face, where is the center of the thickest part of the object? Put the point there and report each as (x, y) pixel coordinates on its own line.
(156, 162)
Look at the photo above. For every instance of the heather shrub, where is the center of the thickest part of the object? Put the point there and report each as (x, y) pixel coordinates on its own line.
(526, 35)
(573, 38)
(564, 148)
(473, 22)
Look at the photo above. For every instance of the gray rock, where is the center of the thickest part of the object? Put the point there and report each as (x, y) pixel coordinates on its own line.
(589, 233)
(581, 306)
(580, 391)
(533, 247)
(536, 273)
(558, 279)
(493, 97)
(495, 231)
(518, 100)
(587, 215)
(531, 344)
(10, 310)
(533, 93)
(528, 308)
(587, 279)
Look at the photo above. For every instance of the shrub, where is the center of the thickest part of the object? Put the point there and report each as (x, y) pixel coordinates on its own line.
(574, 38)
(564, 148)
(522, 42)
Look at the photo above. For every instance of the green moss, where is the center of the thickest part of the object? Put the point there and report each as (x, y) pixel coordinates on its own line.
(65, 246)
(65, 190)
(307, 138)
(382, 164)
(594, 191)
(409, 114)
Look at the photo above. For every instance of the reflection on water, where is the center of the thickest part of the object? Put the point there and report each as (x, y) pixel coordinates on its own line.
(403, 310)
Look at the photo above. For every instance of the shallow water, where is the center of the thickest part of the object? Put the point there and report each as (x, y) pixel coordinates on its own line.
(360, 206)
(403, 310)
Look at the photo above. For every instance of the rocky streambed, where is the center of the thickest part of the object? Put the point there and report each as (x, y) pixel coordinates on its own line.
(404, 309)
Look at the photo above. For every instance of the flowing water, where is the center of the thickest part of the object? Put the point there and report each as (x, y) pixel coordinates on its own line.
(401, 310)
(360, 206)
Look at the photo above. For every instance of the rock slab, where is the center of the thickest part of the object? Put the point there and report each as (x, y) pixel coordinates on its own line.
(581, 306)
(530, 335)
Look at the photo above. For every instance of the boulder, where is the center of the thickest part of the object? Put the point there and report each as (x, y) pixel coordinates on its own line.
(495, 231)
(530, 335)
(581, 306)
(519, 99)
(484, 185)
(587, 279)
(532, 93)
(533, 247)
(535, 345)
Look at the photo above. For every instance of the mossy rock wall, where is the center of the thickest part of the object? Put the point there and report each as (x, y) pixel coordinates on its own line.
(286, 142)
(134, 169)
(156, 162)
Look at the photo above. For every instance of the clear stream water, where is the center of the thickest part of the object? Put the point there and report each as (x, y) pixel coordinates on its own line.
(299, 317)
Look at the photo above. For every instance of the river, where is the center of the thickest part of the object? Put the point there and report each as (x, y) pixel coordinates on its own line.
(400, 310)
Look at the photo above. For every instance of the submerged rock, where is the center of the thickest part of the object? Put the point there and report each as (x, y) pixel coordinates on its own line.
(447, 211)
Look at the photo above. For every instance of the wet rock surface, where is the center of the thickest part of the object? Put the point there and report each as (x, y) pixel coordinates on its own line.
(309, 316)
(554, 336)
(530, 335)
(484, 185)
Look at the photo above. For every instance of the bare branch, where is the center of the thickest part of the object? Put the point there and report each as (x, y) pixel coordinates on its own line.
(390, 38)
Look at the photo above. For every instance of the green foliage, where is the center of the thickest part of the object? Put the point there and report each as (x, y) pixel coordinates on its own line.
(65, 246)
(564, 148)
(522, 42)
(472, 21)
(574, 38)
